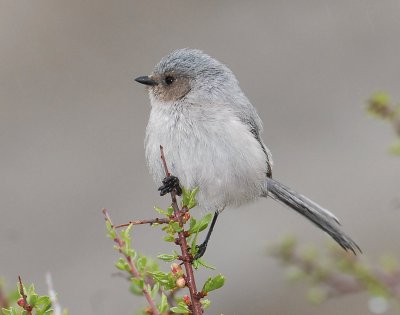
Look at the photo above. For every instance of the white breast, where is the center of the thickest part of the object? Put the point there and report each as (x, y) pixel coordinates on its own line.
(209, 148)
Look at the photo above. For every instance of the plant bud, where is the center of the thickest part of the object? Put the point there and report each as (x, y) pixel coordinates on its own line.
(186, 299)
(21, 302)
(176, 269)
(186, 217)
(180, 282)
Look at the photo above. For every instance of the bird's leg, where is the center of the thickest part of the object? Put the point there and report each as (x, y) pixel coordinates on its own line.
(201, 249)
(169, 184)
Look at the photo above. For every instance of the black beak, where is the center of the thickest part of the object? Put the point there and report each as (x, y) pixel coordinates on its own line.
(146, 80)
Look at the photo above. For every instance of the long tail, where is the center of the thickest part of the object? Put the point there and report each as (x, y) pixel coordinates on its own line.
(321, 217)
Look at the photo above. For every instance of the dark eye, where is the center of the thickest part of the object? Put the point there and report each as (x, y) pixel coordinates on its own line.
(169, 80)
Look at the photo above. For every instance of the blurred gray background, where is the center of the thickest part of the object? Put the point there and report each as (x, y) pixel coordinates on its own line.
(72, 124)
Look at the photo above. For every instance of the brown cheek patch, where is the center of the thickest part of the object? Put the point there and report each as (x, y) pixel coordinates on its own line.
(174, 92)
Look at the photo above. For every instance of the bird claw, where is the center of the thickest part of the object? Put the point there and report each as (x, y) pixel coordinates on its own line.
(170, 183)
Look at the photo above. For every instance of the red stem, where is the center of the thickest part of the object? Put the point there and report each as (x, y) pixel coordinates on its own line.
(186, 256)
(27, 307)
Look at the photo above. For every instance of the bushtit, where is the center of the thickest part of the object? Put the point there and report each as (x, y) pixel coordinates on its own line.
(211, 135)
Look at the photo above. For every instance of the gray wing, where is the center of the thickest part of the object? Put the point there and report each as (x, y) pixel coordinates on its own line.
(255, 131)
(248, 115)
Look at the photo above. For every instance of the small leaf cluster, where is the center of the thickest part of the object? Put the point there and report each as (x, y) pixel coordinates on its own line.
(380, 106)
(39, 305)
(338, 272)
(192, 229)
(139, 268)
(164, 286)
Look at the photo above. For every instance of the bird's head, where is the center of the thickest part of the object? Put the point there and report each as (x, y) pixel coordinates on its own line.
(188, 74)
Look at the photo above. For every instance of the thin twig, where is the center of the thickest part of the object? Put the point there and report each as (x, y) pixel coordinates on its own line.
(27, 307)
(186, 257)
(164, 161)
(150, 221)
(132, 269)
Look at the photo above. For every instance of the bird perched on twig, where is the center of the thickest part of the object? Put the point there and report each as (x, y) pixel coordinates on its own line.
(211, 135)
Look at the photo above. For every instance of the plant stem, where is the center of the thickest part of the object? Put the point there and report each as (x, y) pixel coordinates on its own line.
(150, 221)
(25, 306)
(186, 257)
(132, 269)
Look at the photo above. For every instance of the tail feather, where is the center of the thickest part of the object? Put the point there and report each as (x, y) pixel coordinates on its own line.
(321, 217)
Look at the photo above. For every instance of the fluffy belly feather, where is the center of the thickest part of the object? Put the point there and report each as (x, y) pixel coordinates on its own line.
(220, 156)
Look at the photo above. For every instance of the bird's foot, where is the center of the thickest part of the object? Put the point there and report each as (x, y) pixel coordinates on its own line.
(170, 183)
(201, 249)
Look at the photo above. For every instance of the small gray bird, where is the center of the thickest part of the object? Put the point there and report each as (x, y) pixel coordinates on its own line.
(211, 135)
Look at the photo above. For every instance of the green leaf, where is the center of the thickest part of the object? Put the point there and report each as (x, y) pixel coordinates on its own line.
(111, 231)
(192, 223)
(43, 300)
(189, 197)
(167, 257)
(177, 228)
(213, 283)
(167, 280)
(163, 307)
(170, 211)
(32, 299)
(129, 252)
(45, 305)
(195, 264)
(161, 211)
(204, 264)
(141, 263)
(125, 234)
(136, 286)
(180, 309)
(160, 277)
(202, 224)
(192, 201)
(108, 226)
(151, 265)
(169, 238)
(185, 196)
(122, 264)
